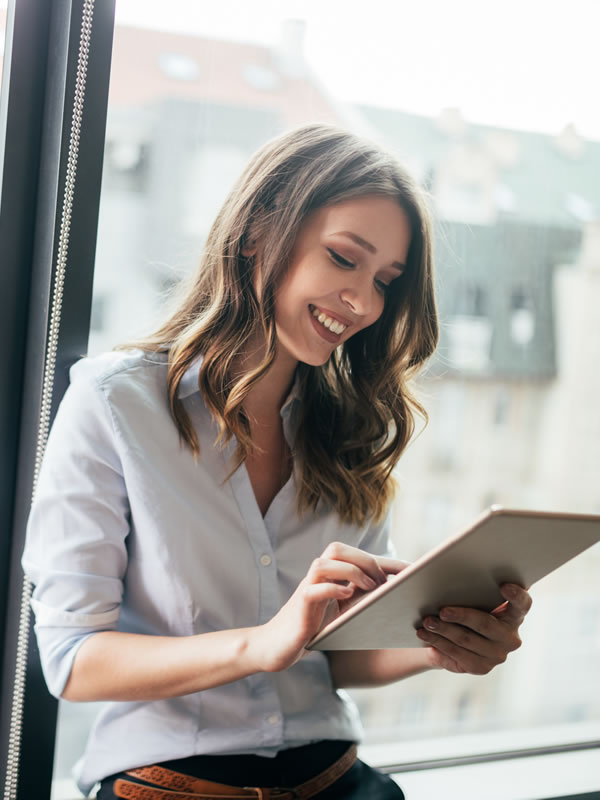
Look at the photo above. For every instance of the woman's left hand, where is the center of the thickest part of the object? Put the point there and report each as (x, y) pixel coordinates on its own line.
(467, 640)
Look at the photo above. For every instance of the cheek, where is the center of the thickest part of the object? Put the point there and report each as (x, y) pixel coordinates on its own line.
(288, 304)
(378, 308)
(294, 293)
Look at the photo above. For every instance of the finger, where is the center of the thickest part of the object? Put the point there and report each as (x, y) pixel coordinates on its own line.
(324, 569)
(486, 625)
(338, 551)
(318, 592)
(519, 603)
(392, 566)
(468, 639)
(467, 660)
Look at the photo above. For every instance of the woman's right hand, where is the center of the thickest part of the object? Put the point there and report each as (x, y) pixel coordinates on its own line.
(332, 581)
(115, 665)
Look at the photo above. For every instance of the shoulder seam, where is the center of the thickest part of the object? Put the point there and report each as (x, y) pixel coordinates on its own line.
(111, 371)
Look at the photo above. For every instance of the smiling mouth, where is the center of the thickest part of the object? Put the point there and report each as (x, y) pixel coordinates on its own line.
(333, 325)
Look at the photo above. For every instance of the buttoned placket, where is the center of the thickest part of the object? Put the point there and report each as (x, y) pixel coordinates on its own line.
(263, 533)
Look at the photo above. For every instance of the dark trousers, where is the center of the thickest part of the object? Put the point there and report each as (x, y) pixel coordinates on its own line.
(287, 769)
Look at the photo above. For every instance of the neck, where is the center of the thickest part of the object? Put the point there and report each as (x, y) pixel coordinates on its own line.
(268, 395)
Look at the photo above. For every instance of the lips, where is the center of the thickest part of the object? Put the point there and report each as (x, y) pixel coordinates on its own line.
(321, 313)
(329, 327)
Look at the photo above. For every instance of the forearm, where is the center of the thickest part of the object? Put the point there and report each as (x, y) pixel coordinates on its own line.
(112, 665)
(365, 668)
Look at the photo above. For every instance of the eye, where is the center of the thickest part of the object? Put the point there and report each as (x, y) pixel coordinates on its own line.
(382, 286)
(340, 260)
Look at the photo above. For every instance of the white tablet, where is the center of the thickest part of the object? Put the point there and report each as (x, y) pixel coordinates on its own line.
(502, 546)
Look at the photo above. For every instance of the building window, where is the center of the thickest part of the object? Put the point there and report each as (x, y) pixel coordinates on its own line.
(522, 317)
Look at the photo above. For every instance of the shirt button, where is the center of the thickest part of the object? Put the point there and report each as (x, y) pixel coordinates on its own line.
(265, 560)
(273, 719)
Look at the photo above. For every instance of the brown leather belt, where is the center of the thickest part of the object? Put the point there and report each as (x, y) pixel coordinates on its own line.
(171, 785)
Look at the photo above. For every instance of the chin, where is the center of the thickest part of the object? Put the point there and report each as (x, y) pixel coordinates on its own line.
(314, 361)
(303, 354)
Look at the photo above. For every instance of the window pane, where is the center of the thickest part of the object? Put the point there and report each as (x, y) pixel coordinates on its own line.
(515, 182)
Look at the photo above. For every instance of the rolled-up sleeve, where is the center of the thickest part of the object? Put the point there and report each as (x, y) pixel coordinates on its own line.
(75, 551)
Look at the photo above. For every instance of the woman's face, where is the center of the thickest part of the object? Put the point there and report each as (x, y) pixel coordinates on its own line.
(343, 261)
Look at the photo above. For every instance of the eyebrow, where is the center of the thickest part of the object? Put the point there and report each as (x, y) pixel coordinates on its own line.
(367, 246)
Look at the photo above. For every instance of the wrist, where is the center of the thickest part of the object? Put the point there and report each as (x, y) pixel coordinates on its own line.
(430, 658)
(253, 649)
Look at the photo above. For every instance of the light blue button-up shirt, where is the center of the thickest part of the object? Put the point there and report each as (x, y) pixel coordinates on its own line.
(128, 533)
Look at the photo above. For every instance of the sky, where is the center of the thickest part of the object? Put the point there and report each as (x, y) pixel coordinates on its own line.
(525, 64)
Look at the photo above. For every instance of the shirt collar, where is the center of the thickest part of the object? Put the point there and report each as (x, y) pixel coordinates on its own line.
(189, 382)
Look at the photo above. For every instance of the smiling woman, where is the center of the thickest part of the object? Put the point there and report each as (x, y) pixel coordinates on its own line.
(316, 427)
(316, 420)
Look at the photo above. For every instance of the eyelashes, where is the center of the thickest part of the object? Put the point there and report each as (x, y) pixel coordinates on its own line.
(383, 287)
(342, 262)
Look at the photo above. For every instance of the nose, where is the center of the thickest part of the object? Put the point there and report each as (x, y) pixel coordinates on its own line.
(360, 297)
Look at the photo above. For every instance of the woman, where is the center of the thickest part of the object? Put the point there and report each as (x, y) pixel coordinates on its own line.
(211, 494)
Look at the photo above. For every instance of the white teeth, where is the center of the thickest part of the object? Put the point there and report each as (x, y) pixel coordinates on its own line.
(328, 322)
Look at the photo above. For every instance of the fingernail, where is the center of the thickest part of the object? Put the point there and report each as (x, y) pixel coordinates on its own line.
(369, 583)
(448, 613)
(432, 624)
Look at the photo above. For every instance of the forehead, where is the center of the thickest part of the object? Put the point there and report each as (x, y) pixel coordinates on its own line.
(379, 220)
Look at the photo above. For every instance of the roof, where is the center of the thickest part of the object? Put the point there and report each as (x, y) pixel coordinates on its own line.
(551, 180)
(149, 66)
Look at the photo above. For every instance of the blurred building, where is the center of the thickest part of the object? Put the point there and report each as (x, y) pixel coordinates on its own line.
(530, 441)
(511, 393)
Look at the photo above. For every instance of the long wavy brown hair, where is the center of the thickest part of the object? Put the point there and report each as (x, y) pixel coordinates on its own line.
(357, 412)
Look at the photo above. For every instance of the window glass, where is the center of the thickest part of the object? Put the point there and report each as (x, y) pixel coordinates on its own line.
(506, 138)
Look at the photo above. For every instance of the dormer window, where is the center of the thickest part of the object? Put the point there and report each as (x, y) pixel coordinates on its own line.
(179, 66)
(261, 78)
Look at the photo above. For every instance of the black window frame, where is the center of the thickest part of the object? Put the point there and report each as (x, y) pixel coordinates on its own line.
(44, 39)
